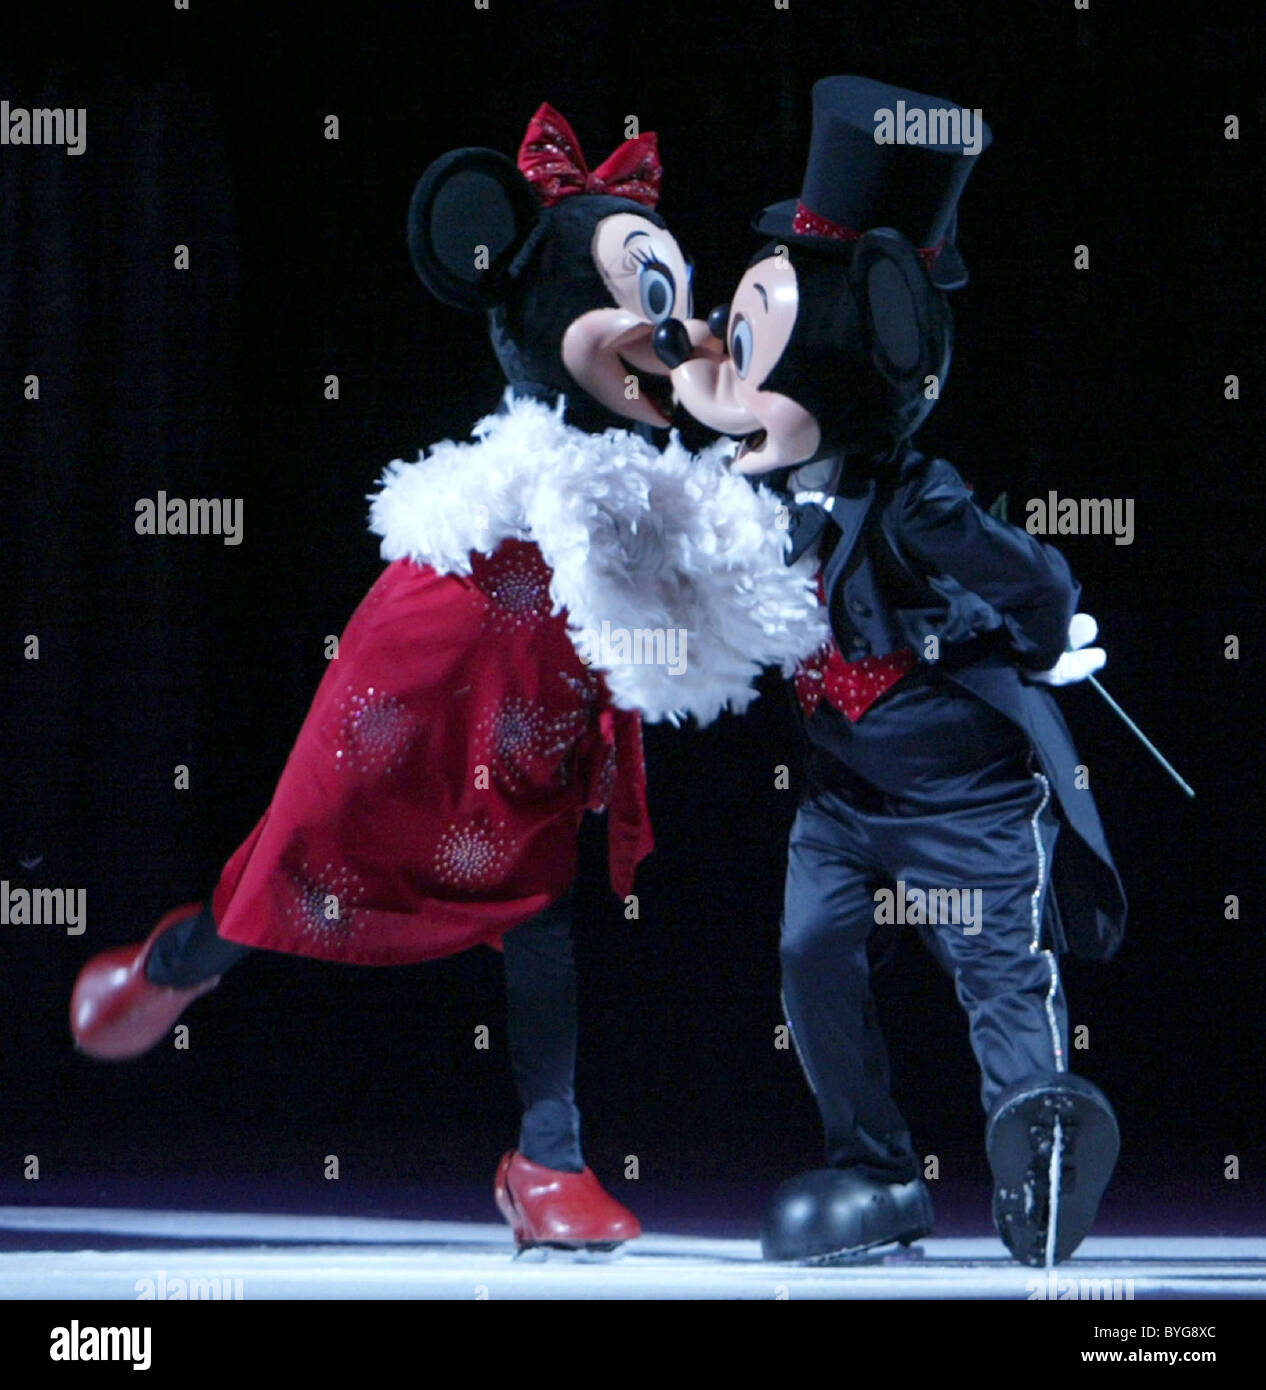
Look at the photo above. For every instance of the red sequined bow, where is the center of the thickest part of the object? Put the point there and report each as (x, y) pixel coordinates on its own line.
(550, 159)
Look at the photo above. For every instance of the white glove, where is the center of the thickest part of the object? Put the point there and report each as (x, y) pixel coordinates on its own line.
(1079, 661)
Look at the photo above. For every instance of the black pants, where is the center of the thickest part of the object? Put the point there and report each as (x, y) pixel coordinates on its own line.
(996, 838)
(541, 1017)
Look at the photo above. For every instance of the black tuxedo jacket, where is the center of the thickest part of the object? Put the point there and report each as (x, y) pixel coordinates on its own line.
(915, 558)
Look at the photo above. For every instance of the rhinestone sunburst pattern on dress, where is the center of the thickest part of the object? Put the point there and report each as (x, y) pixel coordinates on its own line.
(472, 854)
(325, 903)
(519, 733)
(516, 580)
(375, 731)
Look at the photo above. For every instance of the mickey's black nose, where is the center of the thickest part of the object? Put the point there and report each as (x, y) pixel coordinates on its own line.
(672, 343)
(719, 321)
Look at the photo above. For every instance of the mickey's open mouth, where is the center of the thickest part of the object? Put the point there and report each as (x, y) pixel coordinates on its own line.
(750, 443)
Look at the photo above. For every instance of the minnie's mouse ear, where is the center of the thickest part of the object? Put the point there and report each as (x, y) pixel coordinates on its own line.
(902, 307)
(470, 214)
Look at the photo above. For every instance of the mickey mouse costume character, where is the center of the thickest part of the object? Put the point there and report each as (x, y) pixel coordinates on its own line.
(934, 762)
(433, 798)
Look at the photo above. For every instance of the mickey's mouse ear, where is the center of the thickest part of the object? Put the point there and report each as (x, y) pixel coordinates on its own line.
(470, 214)
(899, 306)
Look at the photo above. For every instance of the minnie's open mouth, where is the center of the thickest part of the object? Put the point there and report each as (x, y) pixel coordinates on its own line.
(656, 389)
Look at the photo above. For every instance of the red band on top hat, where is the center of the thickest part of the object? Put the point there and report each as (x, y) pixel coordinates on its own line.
(809, 223)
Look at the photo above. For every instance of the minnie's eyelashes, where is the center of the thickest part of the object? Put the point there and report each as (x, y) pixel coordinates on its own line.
(649, 258)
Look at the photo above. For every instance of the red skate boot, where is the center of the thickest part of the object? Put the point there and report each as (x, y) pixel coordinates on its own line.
(569, 1210)
(115, 1012)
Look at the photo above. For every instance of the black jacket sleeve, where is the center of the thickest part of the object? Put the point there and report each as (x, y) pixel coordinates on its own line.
(942, 529)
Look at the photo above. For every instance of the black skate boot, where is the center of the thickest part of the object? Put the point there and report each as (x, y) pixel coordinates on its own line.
(834, 1215)
(1052, 1144)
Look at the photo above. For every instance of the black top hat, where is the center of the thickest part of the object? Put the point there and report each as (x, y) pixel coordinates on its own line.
(882, 156)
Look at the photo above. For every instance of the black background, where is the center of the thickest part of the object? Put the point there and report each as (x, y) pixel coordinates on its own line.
(206, 128)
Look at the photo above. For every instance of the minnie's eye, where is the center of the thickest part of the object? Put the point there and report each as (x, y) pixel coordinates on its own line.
(657, 289)
(741, 345)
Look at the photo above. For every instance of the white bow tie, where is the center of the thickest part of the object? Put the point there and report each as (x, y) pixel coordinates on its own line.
(821, 499)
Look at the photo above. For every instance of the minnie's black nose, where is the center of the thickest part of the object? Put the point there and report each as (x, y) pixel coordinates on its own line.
(672, 343)
(719, 321)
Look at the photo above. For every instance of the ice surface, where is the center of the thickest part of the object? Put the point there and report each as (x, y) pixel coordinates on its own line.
(318, 1257)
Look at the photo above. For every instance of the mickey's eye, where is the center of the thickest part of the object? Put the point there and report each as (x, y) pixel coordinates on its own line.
(657, 290)
(741, 345)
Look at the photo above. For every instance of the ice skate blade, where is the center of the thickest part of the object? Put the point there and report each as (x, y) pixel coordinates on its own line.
(886, 1252)
(543, 1251)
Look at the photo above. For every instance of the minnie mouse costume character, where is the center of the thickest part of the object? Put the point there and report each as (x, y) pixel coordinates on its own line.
(433, 798)
(938, 772)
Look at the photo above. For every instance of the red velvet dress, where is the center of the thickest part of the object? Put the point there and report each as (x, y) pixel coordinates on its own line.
(432, 799)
